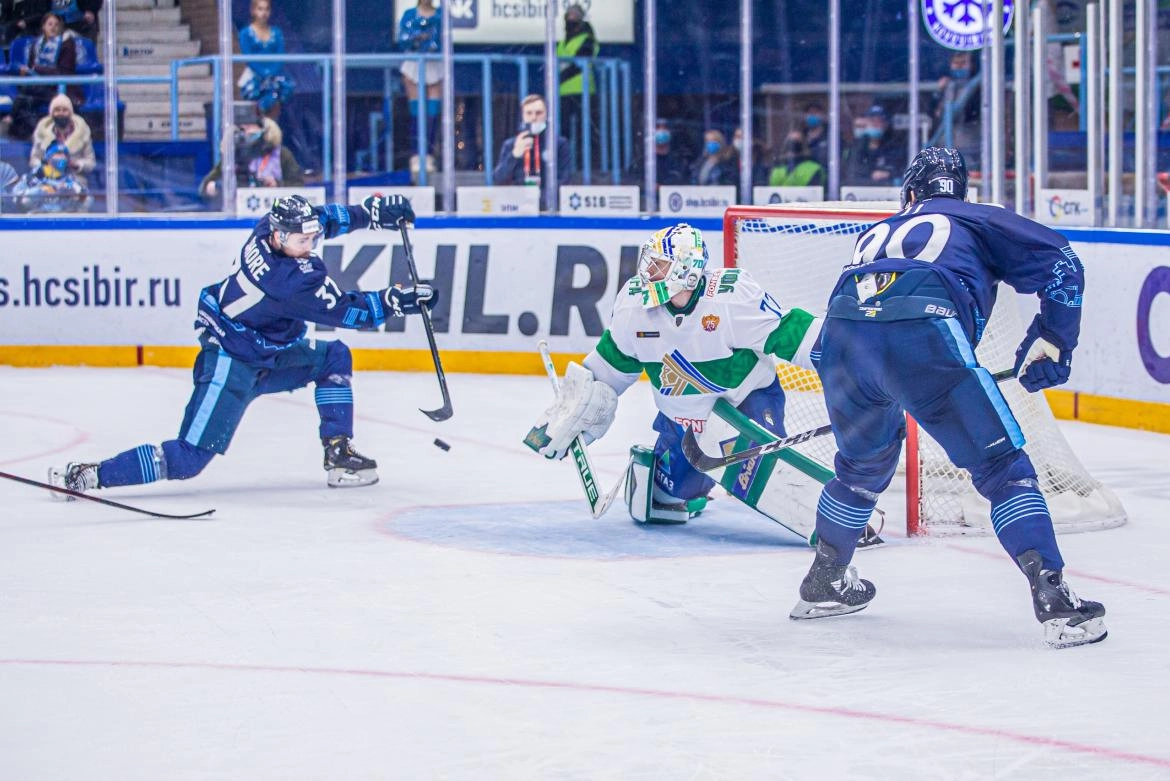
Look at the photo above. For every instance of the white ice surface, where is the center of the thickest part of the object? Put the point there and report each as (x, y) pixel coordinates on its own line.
(466, 619)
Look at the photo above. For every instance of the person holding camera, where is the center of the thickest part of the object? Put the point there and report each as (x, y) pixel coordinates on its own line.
(524, 157)
(262, 160)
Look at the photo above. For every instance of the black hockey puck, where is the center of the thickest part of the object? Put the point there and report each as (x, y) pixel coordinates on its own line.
(441, 445)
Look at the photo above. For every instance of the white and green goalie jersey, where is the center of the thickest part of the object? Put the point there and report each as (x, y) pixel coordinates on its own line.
(724, 343)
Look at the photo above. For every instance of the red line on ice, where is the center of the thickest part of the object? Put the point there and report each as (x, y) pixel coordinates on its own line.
(847, 713)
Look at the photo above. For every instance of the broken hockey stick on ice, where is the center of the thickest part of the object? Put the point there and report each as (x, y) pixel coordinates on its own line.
(706, 463)
(445, 411)
(598, 502)
(99, 500)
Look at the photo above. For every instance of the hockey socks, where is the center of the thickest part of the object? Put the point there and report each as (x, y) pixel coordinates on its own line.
(143, 464)
(842, 515)
(335, 406)
(1022, 522)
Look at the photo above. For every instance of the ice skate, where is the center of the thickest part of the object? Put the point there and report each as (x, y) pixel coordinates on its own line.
(1068, 621)
(75, 477)
(347, 468)
(829, 589)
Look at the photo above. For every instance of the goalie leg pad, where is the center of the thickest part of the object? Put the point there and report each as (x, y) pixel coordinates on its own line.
(647, 502)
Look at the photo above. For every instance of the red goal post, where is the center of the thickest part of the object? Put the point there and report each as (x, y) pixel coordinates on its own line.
(796, 252)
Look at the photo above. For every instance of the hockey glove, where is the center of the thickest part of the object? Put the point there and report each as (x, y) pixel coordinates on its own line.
(584, 406)
(409, 300)
(1040, 363)
(386, 211)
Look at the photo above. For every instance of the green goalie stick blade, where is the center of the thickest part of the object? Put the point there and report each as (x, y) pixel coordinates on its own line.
(705, 463)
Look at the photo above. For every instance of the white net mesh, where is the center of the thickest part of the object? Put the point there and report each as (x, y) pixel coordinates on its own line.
(796, 253)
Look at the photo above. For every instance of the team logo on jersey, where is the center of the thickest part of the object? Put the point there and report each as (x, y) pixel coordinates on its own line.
(679, 376)
(962, 24)
(710, 322)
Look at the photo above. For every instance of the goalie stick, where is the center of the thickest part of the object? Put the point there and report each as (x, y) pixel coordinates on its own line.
(598, 503)
(705, 463)
(99, 500)
(445, 411)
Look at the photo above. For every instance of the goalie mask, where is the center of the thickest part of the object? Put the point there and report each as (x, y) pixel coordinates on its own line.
(671, 261)
(936, 171)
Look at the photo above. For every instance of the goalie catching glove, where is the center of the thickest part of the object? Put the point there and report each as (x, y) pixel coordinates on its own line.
(401, 301)
(1040, 363)
(387, 211)
(584, 406)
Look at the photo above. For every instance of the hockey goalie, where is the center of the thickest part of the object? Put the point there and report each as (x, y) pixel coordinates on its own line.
(709, 340)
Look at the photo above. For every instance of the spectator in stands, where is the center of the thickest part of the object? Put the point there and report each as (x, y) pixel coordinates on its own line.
(580, 41)
(796, 167)
(816, 133)
(524, 156)
(264, 82)
(672, 168)
(63, 126)
(959, 89)
(8, 178)
(80, 16)
(420, 32)
(760, 155)
(53, 53)
(51, 188)
(719, 163)
(262, 160)
(21, 17)
(874, 160)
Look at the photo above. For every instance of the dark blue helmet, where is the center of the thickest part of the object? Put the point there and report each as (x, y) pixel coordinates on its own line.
(293, 214)
(936, 171)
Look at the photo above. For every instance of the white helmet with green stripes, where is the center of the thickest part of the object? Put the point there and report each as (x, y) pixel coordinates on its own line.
(672, 261)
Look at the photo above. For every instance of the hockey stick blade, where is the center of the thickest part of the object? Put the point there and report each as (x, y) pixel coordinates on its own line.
(445, 411)
(705, 463)
(99, 500)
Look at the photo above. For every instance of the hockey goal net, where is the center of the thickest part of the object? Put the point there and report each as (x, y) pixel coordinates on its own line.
(796, 253)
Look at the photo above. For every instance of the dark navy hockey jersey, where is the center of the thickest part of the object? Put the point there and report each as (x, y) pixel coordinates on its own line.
(969, 248)
(262, 305)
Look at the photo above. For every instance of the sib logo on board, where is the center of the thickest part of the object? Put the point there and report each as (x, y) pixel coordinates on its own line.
(962, 24)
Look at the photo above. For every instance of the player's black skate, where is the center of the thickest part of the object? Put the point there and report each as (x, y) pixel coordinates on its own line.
(347, 468)
(830, 589)
(1068, 621)
(74, 476)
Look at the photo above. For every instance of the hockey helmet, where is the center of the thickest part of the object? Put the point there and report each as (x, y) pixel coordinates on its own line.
(671, 261)
(935, 171)
(293, 214)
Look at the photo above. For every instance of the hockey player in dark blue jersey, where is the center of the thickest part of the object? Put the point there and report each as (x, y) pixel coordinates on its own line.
(900, 335)
(252, 328)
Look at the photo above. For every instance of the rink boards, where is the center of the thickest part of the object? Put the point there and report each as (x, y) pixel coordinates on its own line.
(122, 292)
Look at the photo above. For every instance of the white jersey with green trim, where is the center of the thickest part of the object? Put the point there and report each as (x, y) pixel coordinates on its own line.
(724, 343)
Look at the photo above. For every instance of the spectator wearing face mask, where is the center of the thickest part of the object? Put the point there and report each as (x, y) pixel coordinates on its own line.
(580, 41)
(63, 126)
(816, 133)
(262, 160)
(51, 187)
(959, 90)
(759, 157)
(795, 166)
(672, 168)
(524, 157)
(874, 160)
(719, 163)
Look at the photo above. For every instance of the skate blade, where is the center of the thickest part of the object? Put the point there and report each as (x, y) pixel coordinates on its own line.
(806, 610)
(347, 478)
(1058, 633)
(57, 478)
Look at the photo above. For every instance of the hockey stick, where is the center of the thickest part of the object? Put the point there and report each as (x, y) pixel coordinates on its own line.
(598, 504)
(445, 411)
(705, 463)
(99, 500)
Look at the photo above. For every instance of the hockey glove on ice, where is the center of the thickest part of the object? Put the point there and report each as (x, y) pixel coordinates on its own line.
(1040, 363)
(386, 210)
(409, 300)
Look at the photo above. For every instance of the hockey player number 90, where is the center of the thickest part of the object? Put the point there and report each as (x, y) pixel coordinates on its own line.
(875, 238)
